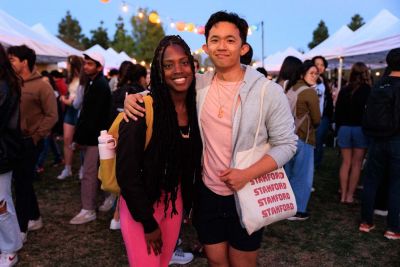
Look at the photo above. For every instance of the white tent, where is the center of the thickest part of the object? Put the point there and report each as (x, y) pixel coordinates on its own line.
(40, 29)
(331, 43)
(110, 60)
(124, 56)
(14, 32)
(274, 62)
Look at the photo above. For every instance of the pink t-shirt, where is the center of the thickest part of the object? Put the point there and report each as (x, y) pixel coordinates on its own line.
(217, 133)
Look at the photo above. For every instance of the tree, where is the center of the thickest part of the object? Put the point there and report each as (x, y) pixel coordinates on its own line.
(122, 41)
(356, 22)
(319, 35)
(146, 36)
(100, 37)
(70, 31)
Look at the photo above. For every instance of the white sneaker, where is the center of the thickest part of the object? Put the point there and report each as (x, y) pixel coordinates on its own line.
(8, 259)
(115, 225)
(381, 212)
(24, 237)
(84, 216)
(81, 172)
(108, 203)
(64, 174)
(181, 257)
(35, 224)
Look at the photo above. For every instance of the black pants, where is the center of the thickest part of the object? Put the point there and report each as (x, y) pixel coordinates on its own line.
(26, 204)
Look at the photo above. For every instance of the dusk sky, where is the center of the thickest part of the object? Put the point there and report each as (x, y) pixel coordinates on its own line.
(286, 22)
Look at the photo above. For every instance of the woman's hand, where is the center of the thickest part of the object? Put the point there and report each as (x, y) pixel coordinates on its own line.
(131, 107)
(154, 241)
(66, 101)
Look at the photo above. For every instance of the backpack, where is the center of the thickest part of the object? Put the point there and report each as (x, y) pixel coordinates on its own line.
(292, 98)
(107, 174)
(382, 112)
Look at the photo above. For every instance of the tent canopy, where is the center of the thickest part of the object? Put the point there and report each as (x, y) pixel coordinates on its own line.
(14, 32)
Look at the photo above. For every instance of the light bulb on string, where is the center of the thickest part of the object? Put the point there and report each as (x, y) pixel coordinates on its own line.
(125, 7)
(140, 14)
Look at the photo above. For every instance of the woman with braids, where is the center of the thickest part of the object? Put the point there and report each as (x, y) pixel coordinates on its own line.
(156, 182)
(10, 145)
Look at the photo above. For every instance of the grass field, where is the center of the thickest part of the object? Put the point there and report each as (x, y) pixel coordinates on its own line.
(329, 238)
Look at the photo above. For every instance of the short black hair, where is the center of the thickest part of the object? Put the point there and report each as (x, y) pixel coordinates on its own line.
(246, 58)
(23, 52)
(113, 72)
(56, 74)
(393, 59)
(263, 71)
(322, 58)
(223, 16)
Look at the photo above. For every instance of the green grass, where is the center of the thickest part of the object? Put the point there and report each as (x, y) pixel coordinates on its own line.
(329, 238)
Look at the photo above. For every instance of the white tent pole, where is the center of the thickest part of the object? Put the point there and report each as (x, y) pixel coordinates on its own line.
(340, 70)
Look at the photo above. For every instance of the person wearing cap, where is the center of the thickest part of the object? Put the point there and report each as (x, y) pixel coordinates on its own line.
(94, 117)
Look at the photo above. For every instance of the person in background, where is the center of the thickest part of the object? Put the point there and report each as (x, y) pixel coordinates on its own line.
(94, 117)
(326, 107)
(50, 141)
(10, 148)
(113, 75)
(74, 67)
(383, 161)
(263, 71)
(37, 120)
(300, 169)
(132, 80)
(353, 143)
(60, 82)
(157, 181)
(196, 65)
(290, 71)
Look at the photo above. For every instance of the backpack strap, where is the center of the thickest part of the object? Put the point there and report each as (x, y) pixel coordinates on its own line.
(148, 104)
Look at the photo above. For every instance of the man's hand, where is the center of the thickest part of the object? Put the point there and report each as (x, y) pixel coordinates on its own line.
(154, 241)
(131, 107)
(234, 179)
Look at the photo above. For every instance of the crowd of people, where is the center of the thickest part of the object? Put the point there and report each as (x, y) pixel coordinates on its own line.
(200, 122)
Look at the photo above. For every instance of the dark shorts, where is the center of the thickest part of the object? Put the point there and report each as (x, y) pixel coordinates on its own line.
(216, 221)
(352, 137)
(71, 115)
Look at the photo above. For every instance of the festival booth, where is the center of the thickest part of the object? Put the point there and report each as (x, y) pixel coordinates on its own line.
(40, 29)
(369, 44)
(14, 32)
(274, 62)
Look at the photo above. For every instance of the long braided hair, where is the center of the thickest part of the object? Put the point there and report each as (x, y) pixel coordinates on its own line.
(163, 161)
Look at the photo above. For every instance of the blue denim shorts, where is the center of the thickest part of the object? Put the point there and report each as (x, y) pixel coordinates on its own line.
(352, 137)
(71, 116)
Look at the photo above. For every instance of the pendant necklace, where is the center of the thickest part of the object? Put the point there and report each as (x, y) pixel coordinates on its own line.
(185, 136)
(220, 103)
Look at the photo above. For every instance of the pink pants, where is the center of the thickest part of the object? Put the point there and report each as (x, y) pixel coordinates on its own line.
(133, 234)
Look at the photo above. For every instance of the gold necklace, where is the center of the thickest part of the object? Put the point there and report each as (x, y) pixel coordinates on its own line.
(185, 136)
(221, 105)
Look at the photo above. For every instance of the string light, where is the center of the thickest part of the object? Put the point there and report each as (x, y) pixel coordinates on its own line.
(179, 26)
(125, 7)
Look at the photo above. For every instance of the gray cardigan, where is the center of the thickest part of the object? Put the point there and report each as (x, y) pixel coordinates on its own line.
(277, 117)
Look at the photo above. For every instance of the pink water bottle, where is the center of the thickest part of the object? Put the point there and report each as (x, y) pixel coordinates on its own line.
(107, 145)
